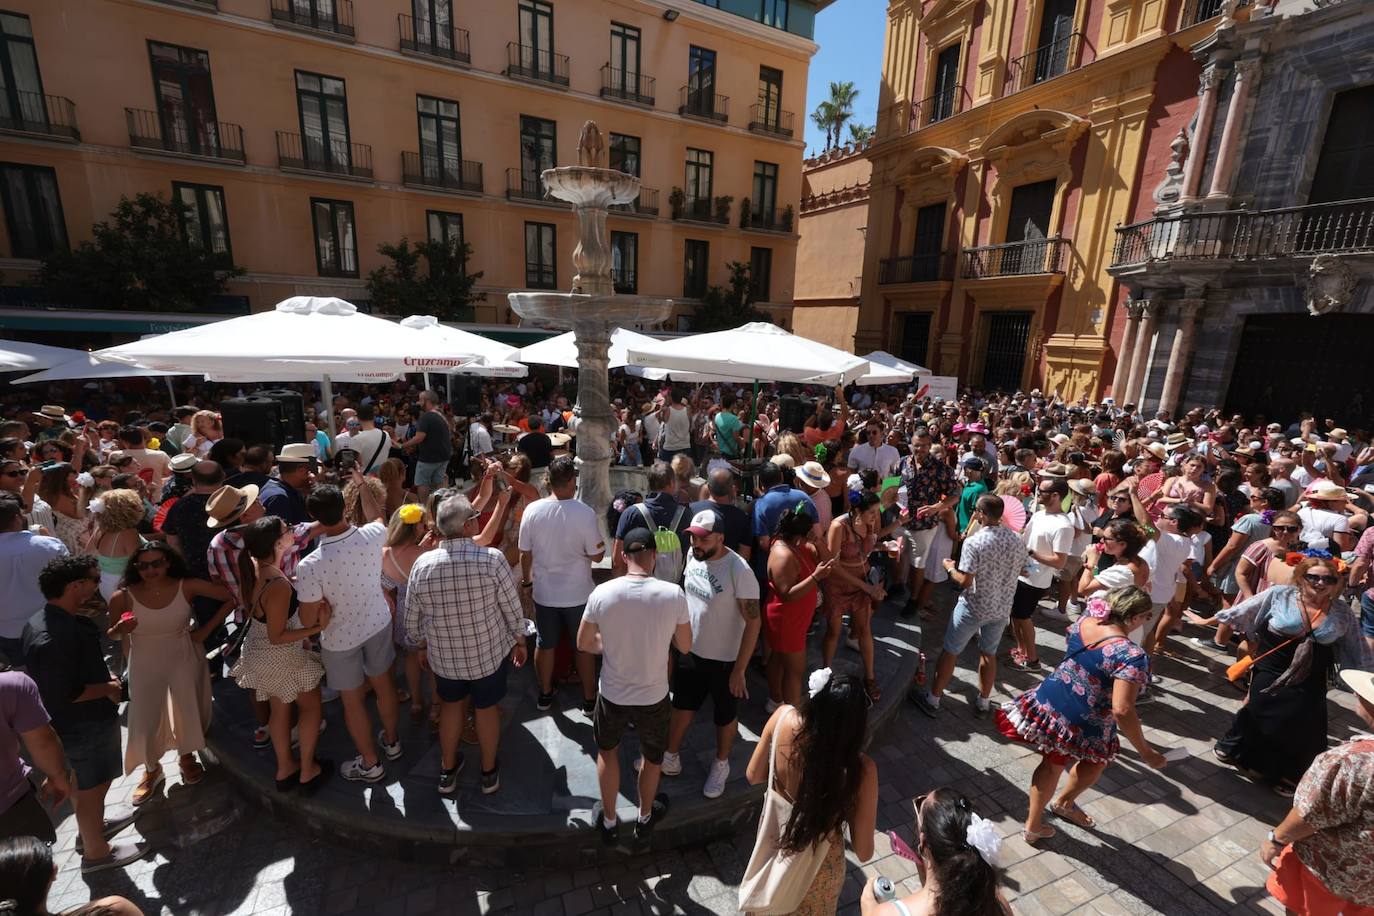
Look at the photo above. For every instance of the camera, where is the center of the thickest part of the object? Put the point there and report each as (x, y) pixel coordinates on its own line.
(346, 460)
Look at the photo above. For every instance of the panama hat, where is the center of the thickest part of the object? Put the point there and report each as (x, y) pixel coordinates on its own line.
(226, 504)
(1157, 450)
(1362, 682)
(297, 453)
(52, 412)
(181, 464)
(1177, 441)
(1083, 487)
(1325, 489)
(1338, 434)
(813, 475)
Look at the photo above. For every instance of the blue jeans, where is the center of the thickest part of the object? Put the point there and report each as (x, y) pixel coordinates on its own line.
(962, 627)
(1367, 615)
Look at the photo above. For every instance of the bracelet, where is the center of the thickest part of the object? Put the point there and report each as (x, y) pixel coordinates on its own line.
(1274, 838)
(526, 583)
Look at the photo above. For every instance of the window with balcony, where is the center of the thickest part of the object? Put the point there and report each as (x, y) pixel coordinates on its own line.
(695, 261)
(625, 262)
(336, 242)
(623, 75)
(185, 116)
(334, 16)
(444, 227)
(1055, 38)
(1345, 166)
(697, 187)
(624, 154)
(1027, 242)
(323, 106)
(761, 273)
(767, 115)
(538, 141)
(774, 13)
(764, 202)
(205, 221)
(914, 342)
(441, 141)
(541, 248)
(21, 98)
(701, 82)
(945, 98)
(434, 32)
(536, 40)
(33, 210)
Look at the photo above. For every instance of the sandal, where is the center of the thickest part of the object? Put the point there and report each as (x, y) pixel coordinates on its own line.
(1071, 812)
(148, 785)
(1031, 839)
(402, 696)
(1285, 789)
(1223, 757)
(192, 771)
(871, 688)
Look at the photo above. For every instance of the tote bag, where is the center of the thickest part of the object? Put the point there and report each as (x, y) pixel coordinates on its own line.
(776, 881)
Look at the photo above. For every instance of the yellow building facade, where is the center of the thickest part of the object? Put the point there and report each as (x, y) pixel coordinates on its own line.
(830, 251)
(303, 134)
(1012, 138)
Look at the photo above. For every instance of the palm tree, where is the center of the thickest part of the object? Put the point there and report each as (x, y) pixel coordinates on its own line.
(860, 133)
(842, 96)
(824, 118)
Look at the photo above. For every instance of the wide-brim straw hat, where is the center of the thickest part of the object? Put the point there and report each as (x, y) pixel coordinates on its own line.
(813, 475)
(227, 504)
(52, 412)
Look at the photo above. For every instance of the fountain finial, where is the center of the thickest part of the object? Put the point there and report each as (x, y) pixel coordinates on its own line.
(590, 147)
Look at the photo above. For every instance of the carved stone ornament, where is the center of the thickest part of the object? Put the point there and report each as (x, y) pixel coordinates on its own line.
(590, 147)
(1171, 188)
(1330, 283)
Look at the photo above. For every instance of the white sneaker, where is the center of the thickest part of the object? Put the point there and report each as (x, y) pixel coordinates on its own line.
(392, 750)
(672, 764)
(356, 771)
(715, 780)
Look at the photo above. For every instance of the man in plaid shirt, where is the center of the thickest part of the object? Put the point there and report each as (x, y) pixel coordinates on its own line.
(463, 608)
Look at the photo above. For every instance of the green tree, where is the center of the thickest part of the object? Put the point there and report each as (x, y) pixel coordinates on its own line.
(860, 133)
(824, 118)
(842, 96)
(444, 290)
(140, 258)
(728, 306)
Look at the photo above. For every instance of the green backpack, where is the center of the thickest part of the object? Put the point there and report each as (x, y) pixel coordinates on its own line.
(669, 562)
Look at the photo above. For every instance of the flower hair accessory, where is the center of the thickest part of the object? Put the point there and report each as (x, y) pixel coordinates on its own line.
(84, 479)
(1267, 516)
(1293, 558)
(820, 452)
(817, 681)
(1098, 608)
(154, 443)
(411, 513)
(982, 836)
(96, 506)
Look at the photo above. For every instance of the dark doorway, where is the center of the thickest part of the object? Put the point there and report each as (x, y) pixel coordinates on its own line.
(1028, 222)
(1055, 40)
(930, 237)
(1345, 170)
(1004, 356)
(1264, 382)
(914, 337)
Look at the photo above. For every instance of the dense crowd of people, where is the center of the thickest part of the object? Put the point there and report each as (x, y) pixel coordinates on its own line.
(411, 561)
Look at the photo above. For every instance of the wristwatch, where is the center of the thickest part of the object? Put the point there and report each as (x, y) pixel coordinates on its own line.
(1273, 838)
(526, 583)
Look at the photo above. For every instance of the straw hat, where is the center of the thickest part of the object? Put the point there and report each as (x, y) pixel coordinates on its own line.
(813, 475)
(1177, 441)
(559, 439)
(296, 453)
(227, 503)
(1157, 450)
(1362, 682)
(1325, 489)
(1055, 469)
(52, 412)
(183, 463)
(1083, 487)
(1337, 434)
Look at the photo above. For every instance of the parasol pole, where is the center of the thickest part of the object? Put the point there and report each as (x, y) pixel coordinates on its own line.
(171, 392)
(327, 395)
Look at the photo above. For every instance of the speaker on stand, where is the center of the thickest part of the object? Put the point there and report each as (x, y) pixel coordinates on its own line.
(792, 414)
(255, 420)
(465, 395)
(292, 412)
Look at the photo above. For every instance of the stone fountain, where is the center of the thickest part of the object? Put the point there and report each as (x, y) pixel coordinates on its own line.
(592, 310)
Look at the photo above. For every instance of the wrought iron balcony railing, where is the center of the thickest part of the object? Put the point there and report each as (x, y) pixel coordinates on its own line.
(537, 64)
(523, 186)
(917, 268)
(35, 113)
(211, 5)
(697, 103)
(1012, 259)
(645, 205)
(1345, 226)
(207, 139)
(433, 172)
(775, 219)
(1044, 63)
(332, 16)
(944, 104)
(1201, 10)
(432, 40)
(540, 276)
(624, 281)
(765, 118)
(701, 209)
(336, 157)
(627, 86)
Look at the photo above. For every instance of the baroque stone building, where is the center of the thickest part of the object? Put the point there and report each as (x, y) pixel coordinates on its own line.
(830, 249)
(1248, 265)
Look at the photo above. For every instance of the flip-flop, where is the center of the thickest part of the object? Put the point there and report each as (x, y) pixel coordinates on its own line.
(1044, 833)
(1071, 812)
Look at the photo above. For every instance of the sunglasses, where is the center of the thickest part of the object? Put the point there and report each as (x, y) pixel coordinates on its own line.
(1290, 529)
(150, 564)
(1119, 498)
(13, 473)
(1315, 580)
(1106, 539)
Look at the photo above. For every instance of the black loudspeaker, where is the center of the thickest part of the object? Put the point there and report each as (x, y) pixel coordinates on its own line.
(292, 413)
(254, 420)
(465, 395)
(792, 414)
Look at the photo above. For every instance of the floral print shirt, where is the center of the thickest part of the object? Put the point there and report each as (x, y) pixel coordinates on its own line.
(927, 485)
(1336, 797)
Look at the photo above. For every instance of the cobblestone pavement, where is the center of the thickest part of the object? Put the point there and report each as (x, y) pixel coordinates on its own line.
(1181, 841)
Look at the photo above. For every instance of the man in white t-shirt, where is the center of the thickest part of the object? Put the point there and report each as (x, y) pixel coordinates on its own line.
(479, 436)
(629, 622)
(723, 598)
(1169, 556)
(345, 569)
(560, 539)
(874, 452)
(363, 436)
(152, 465)
(1324, 525)
(1049, 538)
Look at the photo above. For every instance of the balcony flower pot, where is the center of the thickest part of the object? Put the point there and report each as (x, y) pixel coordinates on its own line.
(676, 198)
(746, 210)
(723, 208)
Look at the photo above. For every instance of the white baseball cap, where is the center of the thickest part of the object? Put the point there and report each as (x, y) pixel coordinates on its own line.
(703, 523)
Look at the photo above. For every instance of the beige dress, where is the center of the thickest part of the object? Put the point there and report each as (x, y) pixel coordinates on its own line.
(169, 684)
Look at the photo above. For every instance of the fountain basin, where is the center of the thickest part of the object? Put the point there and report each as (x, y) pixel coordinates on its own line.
(584, 186)
(566, 311)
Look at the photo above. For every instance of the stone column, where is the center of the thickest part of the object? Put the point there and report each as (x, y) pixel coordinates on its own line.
(1246, 73)
(1202, 135)
(1185, 339)
(594, 407)
(1140, 362)
(1125, 351)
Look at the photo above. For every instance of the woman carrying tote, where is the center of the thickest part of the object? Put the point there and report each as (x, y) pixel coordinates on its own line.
(819, 781)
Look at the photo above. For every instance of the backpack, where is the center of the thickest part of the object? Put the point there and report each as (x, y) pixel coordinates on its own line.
(623, 500)
(669, 562)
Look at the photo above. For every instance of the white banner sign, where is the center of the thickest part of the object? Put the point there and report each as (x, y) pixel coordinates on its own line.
(943, 387)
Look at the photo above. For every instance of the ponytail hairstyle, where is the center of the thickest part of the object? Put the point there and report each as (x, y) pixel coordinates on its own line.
(794, 523)
(259, 540)
(967, 884)
(829, 749)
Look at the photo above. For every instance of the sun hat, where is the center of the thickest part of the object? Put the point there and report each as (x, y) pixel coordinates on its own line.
(1177, 441)
(226, 504)
(1083, 487)
(1157, 450)
(976, 427)
(1338, 434)
(703, 523)
(1361, 682)
(1059, 438)
(183, 463)
(1325, 489)
(1055, 469)
(813, 475)
(297, 453)
(52, 412)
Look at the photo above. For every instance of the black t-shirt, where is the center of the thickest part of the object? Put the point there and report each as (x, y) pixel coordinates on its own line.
(538, 447)
(62, 654)
(663, 508)
(734, 521)
(186, 520)
(438, 443)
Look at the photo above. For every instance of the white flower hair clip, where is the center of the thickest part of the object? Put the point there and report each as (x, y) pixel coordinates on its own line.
(817, 681)
(84, 479)
(982, 836)
(96, 506)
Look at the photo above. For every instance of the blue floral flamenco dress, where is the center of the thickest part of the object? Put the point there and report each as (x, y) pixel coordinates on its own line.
(1069, 716)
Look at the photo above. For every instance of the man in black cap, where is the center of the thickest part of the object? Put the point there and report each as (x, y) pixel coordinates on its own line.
(629, 621)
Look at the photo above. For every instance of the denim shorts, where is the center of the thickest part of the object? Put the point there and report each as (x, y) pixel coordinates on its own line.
(962, 627)
(485, 691)
(94, 752)
(1367, 615)
(431, 474)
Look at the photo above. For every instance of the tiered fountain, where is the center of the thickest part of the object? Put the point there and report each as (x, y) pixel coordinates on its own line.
(592, 309)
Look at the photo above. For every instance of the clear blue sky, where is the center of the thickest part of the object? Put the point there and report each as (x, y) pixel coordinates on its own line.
(850, 33)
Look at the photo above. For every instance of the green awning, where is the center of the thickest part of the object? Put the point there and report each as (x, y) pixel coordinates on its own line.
(77, 321)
